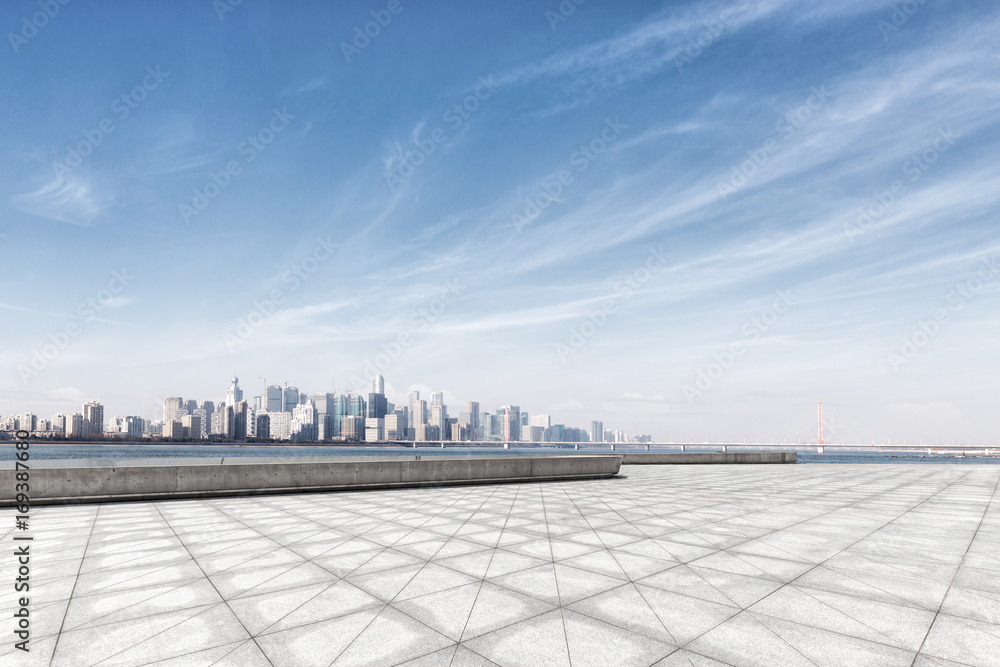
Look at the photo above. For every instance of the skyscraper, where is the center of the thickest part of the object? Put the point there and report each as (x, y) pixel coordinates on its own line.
(93, 415)
(472, 407)
(437, 399)
(171, 406)
(234, 394)
(377, 406)
(511, 415)
(414, 398)
(597, 431)
(291, 398)
(272, 401)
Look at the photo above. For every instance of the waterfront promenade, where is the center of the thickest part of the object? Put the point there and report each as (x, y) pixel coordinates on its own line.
(662, 565)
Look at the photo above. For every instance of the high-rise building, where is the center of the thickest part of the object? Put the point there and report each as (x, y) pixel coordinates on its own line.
(396, 426)
(173, 429)
(356, 405)
(171, 406)
(209, 408)
(439, 420)
(437, 399)
(203, 419)
(235, 420)
(59, 423)
(289, 398)
(377, 404)
(134, 426)
(263, 426)
(74, 425)
(93, 413)
(532, 433)
(374, 429)
(191, 426)
(234, 394)
(414, 398)
(511, 415)
(472, 407)
(418, 413)
(544, 421)
(280, 425)
(596, 431)
(352, 427)
(190, 406)
(273, 400)
(304, 422)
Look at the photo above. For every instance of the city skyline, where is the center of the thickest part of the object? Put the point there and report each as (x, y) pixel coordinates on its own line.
(693, 219)
(195, 416)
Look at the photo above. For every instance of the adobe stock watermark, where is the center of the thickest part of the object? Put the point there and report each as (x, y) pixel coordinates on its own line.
(707, 37)
(223, 7)
(563, 11)
(86, 310)
(580, 335)
(265, 308)
(914, 168)
(455, 117)
(958, 296)
(752, 329)
(122, 106)
(901, 13)
(30, 25)
(250, 148)
(381, 18)
(786, 127)
(554, 184)
(420, 320)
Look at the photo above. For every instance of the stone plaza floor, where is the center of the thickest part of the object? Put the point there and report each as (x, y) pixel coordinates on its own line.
(664, 565)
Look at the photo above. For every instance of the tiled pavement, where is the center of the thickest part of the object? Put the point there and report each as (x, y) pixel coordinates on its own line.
(687, 565)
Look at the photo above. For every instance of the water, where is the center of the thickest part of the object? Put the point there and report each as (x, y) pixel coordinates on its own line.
(134, 451)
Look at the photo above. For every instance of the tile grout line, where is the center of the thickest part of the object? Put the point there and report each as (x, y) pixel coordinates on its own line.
(955, 576)
(69, 601)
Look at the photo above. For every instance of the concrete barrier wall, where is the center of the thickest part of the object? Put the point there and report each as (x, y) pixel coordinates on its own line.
(708, 458)
(166, 478)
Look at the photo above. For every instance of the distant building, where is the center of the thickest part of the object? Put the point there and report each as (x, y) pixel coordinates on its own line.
(352, 427)
(279, 425)
(191, 426)
(173, 429)
(374, 429)
(171, 406)
(290, 396)
(273, 400)
(93, 413)
(472, 407)
(597, 431)
(235, 420)
(511, 415)
(263, 426)
(395, 425)
(74, 425)
(234, 394)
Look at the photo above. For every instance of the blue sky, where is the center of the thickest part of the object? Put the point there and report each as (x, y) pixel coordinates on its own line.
(676, 172)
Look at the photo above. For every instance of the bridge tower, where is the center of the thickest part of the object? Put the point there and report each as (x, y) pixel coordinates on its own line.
(819, 422)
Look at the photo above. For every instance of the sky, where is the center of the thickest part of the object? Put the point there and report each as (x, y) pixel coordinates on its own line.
(689, 219)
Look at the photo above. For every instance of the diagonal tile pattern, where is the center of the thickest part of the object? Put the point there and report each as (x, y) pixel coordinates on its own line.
(689, 565)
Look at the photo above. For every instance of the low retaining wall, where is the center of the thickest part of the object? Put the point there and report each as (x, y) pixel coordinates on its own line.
(708, 458)
(86, 481)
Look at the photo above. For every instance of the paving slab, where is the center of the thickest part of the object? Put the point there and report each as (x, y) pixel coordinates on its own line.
(665, 565)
